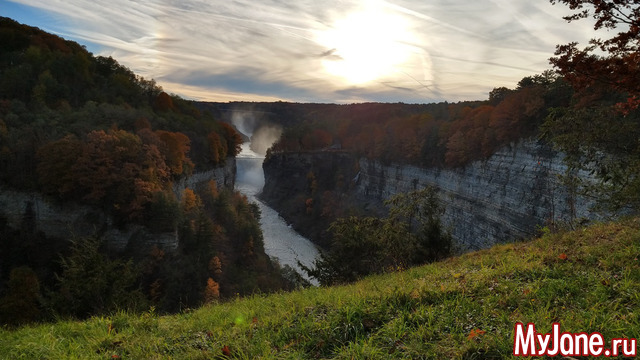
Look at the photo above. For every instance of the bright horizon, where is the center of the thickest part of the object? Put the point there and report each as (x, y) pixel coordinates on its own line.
(334, 52)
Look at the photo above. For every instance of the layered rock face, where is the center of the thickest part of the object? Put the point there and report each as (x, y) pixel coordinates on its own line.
(504, 198)
(225, 177)
(70, 219)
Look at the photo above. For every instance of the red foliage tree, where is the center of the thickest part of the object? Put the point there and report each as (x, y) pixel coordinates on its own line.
(618, 68)
(164, 102)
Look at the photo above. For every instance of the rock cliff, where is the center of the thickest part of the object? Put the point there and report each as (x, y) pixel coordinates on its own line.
(503, 198)
(64, 220)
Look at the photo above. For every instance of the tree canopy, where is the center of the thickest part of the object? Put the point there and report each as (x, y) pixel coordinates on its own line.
(599, 131)
(610, 62)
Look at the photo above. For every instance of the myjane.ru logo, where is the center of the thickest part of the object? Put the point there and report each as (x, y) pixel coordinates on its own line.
(528, 342)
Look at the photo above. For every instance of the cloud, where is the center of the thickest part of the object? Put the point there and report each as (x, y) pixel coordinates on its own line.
(271, 49)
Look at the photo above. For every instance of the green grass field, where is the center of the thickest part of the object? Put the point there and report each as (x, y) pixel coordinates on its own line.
(463, 308)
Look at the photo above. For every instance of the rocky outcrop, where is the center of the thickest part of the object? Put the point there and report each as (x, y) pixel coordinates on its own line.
(225, 177)
(504, 198)
(65, 220)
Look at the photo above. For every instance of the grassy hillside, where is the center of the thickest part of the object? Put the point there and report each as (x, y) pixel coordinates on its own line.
(464, 307)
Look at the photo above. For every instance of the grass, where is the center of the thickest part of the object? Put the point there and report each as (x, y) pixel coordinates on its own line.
(463, 308)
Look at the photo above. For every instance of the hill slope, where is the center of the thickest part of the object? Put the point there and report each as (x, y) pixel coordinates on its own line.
(466, 307)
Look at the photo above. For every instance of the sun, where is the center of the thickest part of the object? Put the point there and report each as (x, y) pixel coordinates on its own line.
(366, 45)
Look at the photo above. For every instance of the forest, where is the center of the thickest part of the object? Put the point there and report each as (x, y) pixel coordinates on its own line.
(84, 129)
(587, 107)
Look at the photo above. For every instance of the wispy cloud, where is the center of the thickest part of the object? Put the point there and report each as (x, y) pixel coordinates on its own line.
(271, 49)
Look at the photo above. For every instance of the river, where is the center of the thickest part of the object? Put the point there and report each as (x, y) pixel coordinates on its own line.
(281, 242)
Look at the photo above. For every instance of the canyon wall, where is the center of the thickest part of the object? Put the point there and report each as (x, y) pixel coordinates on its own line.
(65, 220)
(504, 198)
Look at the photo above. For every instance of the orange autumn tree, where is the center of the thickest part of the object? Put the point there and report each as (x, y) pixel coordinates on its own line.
(212, 291)
(175, 147)
(217, 148)
(114, 170)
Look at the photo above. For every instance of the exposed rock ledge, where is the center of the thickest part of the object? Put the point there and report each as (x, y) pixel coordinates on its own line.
(503, 198)
(71, 219)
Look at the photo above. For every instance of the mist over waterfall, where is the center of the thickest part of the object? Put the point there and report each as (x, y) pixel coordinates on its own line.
(280, 240)
(262, 133)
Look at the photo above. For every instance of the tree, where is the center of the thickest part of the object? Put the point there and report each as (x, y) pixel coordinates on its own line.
(233, 138)
(457, 151)
(163, 213)
(217, 148)
(411, 234)
(421, 210)
(357, 249)
(91, 283)
(498, 94)
(600, 131)
(21, 304)
(163, 102)
(175, 149)
(211, 291)
(114, 169)
(603, 143)
(612, 62)
(57, 158)
(190, 202)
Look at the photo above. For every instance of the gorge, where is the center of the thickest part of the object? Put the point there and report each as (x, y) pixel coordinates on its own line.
(281, 242)
(509, 196)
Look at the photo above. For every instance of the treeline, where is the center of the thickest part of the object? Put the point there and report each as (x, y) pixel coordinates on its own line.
(51, 88)
(442, 135)
(86, 129)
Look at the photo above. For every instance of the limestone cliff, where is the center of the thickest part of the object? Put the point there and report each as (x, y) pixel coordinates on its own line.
(63, 220)
(503, 198)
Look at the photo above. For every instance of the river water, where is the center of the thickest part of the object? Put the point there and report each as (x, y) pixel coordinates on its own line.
(281, 242)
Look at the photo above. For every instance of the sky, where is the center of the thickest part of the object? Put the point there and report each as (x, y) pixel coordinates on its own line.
(330, 51)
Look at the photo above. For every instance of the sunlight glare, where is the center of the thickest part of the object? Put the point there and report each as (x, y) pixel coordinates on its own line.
(366, 45)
